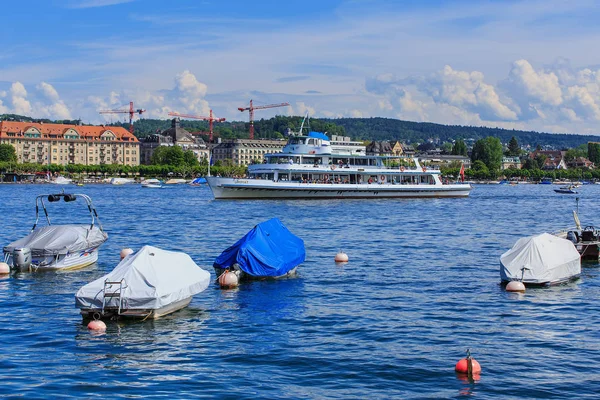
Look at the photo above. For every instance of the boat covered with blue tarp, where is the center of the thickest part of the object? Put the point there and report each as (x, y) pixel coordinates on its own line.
(198, 181)
(268, 250)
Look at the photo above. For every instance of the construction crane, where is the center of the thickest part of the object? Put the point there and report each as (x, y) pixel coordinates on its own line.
(252, 108)
(210, 120)
(131, 112)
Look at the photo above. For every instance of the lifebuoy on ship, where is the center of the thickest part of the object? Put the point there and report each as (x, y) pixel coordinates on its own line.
(332, 167)
(424, 169)
(402, 169)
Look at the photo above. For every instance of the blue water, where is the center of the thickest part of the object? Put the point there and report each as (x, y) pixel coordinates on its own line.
(421, 287)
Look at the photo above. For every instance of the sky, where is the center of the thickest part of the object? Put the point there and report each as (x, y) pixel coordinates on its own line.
(514, 64)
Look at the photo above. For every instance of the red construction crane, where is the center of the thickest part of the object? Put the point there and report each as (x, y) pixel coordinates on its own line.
(210, 120)
(252, 108)
(131, 112)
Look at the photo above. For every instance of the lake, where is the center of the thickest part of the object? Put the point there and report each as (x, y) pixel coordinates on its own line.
(421, 287)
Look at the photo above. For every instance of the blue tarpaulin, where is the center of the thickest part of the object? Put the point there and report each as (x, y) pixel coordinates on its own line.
(269, 249)
(199, 180)
(318, 135)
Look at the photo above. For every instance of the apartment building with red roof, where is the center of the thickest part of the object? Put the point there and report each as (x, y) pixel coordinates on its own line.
(44, 143)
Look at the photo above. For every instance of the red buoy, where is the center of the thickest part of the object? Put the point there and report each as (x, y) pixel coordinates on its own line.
(468, 365)
(97, 325)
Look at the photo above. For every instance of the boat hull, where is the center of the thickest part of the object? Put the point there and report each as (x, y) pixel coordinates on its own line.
(560, 281)
(67, 262)
(247, 277)
(96, 313)
(231, 188)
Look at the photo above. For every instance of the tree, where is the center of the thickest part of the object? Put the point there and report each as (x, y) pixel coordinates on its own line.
(159, 155)
(594, 152)
(489, 151)
(447, 148)
(168, 155)
(174, 156)
(459, 148)
(190, 159)
(7, 153)
(513, 148)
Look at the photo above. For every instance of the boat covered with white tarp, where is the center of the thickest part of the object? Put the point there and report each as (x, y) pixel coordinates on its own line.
(147, 284)
(541, 260)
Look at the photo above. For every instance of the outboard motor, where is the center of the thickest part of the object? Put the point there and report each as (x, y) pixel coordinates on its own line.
(572, 236)
(22, 258)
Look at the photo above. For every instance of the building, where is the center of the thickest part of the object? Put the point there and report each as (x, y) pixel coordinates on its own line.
(246, 151)
(554, 159)
(174, 136)
(444, 160)
(43, 143)
(383, 148)
(580, 162)
(510, 162)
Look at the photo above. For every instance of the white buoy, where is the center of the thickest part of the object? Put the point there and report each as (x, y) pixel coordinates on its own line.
(4, 268)
(228, 279)
(515, 286)
(97, 325)
(125, 253)
(341, 257)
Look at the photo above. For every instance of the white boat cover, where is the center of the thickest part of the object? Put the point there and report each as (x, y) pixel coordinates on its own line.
(546, 259)
(152, 278)
(60, 239)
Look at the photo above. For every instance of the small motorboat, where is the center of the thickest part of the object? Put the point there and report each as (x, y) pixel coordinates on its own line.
(152, 183)
(269, 250)
(54, 247)
(540, 260)
(566, 190)
(148, 284)
(586, 240)
(121, 181)
(175, 181)
(198, 182)
(61, 180)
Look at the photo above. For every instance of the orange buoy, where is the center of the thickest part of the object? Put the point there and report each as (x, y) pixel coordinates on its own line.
(468, 365)
(228, 279)
(97, 325)
(341, 257)
(4, 268)
(125, 253)
(515, 286)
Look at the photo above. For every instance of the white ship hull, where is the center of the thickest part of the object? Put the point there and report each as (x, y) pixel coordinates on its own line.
(66, 262)
(231, 188)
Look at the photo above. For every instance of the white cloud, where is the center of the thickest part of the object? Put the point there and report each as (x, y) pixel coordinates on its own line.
(301, 109)
(187, 96)
(535, 85)
(48, 91)
(20, 104)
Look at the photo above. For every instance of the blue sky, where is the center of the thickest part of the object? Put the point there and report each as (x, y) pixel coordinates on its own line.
(514, 64)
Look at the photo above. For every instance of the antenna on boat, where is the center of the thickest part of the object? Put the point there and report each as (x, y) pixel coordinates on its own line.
(307, 119)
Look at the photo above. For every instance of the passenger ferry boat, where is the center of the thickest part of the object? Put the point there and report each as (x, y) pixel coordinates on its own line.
(308, 168)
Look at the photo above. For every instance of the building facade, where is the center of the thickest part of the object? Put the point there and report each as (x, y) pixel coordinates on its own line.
(174, 136)
(43, 143)
(246, 151)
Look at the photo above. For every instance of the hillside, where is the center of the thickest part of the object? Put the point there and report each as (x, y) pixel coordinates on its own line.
(357, 128)
(389, 129)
